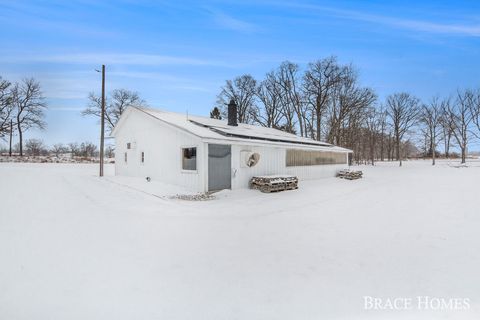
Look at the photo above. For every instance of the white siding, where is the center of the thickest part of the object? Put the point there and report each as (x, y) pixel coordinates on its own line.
(162, 145)
(273, 161)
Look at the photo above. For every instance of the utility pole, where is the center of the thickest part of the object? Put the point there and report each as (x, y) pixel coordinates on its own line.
(11, 133)
(102, 121)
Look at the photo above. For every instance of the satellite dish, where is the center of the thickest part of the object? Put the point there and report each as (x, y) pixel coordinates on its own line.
(253, 159)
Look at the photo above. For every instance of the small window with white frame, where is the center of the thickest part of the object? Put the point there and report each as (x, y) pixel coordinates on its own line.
(126, 157)
(142, 157)
(189, 159)
(129, 145)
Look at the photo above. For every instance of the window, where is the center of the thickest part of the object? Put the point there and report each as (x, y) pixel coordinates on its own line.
(313, 158)
(129, 145)
(125, 157)
(189, 158)
(143, 157)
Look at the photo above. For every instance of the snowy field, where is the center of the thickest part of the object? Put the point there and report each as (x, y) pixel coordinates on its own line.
(73, 246)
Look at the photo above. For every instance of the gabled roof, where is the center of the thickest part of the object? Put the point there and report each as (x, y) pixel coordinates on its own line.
(208, 128)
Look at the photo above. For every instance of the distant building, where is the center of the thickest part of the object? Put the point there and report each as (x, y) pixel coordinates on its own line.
(205, 154)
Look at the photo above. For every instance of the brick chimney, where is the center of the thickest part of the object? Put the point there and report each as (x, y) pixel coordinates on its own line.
(232, 113)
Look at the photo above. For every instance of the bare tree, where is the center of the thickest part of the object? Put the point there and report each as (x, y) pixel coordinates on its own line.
(87, 149)
(6, 107)
(110, 151)
(320, 80)
(74, 149)
(294, 102)
(373, 121)
(461, 118)
(382, 118)
(475, 110)
(34, 147)
(28, 100)
(447, 125)
(269, 93)
(430, 116)
(117, 102)
(402, 111)
(58, 149)
(347, 109)
(291, 95)
(243, 91)
(390, 145)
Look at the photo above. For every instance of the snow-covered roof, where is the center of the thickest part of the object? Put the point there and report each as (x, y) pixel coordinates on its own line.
(208, 128)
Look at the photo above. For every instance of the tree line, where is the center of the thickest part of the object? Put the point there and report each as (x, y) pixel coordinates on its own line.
(36, 147)
(327, 102)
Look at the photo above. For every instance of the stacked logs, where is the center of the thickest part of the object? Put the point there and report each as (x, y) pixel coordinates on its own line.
(275, 183)
(350, 174)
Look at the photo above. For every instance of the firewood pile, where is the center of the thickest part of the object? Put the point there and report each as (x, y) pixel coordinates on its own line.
(350, 174)
(275, 183)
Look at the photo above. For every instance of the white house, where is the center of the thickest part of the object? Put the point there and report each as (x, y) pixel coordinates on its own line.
(206, 154)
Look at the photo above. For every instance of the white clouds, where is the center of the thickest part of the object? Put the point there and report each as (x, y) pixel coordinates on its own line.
(228, 22)
(234, 24)
(170, 81)
(35, 17)
(419, 25)
(113, 58)
(72, 86)
(466, 28)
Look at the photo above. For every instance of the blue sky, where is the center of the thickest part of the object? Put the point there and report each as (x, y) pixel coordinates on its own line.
(177, 54)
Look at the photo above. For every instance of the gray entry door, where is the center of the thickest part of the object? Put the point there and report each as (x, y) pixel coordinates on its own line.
(219, 167)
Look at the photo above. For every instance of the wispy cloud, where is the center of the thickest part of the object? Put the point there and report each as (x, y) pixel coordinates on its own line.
(422, 26)
(229, 22)
(113, 58)
(39, 17)
(167, 80)
(73, 86)
(467, 28)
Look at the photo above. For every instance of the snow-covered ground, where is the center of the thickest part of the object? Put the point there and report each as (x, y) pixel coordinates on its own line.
(73, 246)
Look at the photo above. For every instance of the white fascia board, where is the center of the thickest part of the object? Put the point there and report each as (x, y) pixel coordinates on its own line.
(253, 142)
